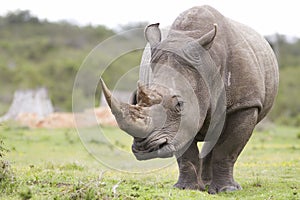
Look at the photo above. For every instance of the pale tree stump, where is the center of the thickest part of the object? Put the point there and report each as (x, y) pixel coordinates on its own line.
(34, 102)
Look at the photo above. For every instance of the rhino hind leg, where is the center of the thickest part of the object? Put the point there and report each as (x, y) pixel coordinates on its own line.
(189, 169)
(237, 131)
(206, 169)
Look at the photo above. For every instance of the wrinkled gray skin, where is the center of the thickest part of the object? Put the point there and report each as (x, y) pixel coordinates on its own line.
(249, 71)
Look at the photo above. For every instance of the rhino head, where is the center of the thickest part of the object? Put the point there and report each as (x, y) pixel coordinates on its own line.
(168, 112)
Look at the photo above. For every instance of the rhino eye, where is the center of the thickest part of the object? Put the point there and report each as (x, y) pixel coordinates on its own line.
(179, 106)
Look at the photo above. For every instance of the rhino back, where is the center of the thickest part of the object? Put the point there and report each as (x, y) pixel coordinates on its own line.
(252, 70)
(245, 60)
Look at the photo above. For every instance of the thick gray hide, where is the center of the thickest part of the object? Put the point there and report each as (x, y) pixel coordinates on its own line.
(248, 68)
(234, 63)
(249, 71)
(244, 58)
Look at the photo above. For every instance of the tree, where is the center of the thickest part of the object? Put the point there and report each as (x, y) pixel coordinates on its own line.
(21, 16)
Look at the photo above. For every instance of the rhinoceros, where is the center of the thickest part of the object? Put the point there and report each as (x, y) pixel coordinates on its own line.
(170, 114)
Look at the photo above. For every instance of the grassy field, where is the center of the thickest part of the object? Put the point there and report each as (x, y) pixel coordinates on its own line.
(54, 164)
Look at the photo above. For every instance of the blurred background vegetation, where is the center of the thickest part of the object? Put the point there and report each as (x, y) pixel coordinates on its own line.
(36, 53)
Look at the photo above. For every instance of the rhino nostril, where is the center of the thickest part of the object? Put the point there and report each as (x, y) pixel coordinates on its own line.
(148, 146)
(162, 144)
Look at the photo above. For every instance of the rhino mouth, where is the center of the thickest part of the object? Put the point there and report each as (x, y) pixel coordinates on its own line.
(149, 144)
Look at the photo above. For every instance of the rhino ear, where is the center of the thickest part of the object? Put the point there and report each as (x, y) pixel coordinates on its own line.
(207, 39)
(153, 34)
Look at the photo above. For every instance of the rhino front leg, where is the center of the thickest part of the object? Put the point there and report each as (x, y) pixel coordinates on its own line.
(237, 131)
(189, 169)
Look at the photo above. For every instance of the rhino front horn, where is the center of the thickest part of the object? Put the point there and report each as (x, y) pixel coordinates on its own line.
(133, 119)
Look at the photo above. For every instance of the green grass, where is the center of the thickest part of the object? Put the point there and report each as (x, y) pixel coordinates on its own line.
(54, 164)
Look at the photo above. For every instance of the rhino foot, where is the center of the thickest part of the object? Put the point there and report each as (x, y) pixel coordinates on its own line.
(189, 186)
(216, 188)
(206, 182)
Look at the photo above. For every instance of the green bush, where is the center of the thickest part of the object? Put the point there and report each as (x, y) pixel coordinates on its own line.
(2, 149)
(36, 53)
(6, 174)
(287, 105)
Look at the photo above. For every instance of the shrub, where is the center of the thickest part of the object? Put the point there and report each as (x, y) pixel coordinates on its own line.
(2, 149)
(6, 175)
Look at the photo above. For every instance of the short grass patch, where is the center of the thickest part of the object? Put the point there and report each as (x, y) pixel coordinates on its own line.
(54, 164)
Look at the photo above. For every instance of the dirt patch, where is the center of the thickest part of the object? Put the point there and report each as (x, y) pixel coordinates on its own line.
(91, 117)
